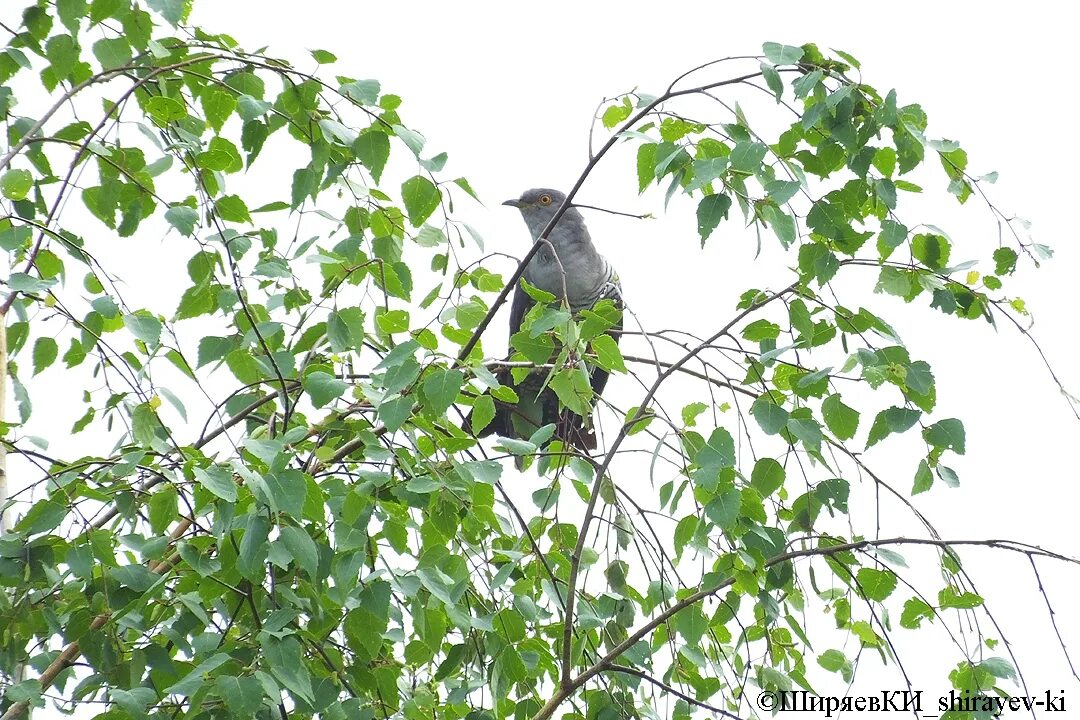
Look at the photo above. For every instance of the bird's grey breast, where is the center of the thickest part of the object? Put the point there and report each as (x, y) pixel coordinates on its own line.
(579, 277)
(567, 264)
(546, 271)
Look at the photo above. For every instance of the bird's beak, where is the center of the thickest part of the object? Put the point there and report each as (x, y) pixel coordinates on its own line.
(513, 203)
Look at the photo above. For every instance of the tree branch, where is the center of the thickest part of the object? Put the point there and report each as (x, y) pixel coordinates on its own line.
(568, 688)
(669, 689)
(575, 559)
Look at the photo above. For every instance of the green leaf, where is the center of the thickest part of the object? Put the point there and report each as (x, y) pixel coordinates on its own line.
(706, 170)
(884, 161)
(392, 321)
(691, 624)
(365, 92)
(134, 701)
(891, 420)
(999, 668)
(807, 430)
(711, 210)
(421, 199)
(164, 110)
(218, 480)
(818, 262)
(323, 387)
(646, 165)
(304, 185)
(45, 352)
(394, 411)
(685, 531)
(717, 453)
(723, 510)
(573, 389)
(345, 329)
(364, 625)
(1004, 261)
(232, 208)
(915, 611)
(287, 489)
(337, 133)
(931, 250)
(21, 282)
(16, 184)
(950, 598)
(536, 349)
(746, 157)
(691, 412)
(441, 388)
(771, 417)
(174, 11)
(250, 108)
(483, 413)
(780, 191)
(145, 426)
(876, 584)
(923, 478)
(242, 695)
(767, 476)
(63, 53)
(217, 106)
(112, 52)
(16, 238)
(373, 149)
(413, 140)
(220, 155)
(841, 420)
(137, 577)
(779, 54)
(183, 218)
(946, 434)
(251, 560)
(602, 317)
(615, 114)
(863, 630)
(144, 326)
(886, 192)
(834, 661)
(772, 79)
(607, 352)
(301, 547)
(43, 516)
(71, 12)
(213, 348)
(761, 330)
(163, 508)
(463, 183)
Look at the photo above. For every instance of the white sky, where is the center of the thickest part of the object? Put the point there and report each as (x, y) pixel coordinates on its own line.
(508, 90)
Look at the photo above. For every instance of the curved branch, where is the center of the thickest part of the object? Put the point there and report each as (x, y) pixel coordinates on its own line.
(569, 687)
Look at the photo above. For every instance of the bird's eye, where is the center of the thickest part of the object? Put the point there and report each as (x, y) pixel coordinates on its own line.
(544, 199)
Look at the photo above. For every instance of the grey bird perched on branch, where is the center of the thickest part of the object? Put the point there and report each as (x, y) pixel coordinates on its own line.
(567, 266)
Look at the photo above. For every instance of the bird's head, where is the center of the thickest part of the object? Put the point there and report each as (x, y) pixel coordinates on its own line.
(538, 206)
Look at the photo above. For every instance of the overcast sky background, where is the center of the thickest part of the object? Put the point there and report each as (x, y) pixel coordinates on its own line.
(508, 90)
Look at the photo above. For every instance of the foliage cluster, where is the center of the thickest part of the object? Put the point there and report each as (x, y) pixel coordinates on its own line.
(326, 536)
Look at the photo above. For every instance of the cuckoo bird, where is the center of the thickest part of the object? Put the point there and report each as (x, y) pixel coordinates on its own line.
(567, 266)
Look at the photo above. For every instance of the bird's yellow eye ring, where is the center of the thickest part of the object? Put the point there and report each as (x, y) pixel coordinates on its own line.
(544, 199)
